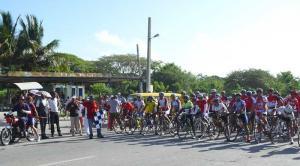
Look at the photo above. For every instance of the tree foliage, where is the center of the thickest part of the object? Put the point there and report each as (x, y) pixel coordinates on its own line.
(101, 89)
(23, 49)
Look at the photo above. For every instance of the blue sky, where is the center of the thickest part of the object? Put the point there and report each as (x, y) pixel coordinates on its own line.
(212, 37)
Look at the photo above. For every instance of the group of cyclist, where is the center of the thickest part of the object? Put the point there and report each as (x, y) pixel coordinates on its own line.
(247, 105)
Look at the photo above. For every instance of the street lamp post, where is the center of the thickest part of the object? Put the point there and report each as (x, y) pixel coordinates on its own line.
(148, 79)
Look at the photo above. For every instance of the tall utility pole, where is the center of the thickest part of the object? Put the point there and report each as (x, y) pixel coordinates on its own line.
(148, 78)
(139, 68)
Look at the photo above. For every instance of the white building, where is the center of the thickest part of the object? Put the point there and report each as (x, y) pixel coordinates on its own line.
(70, 90)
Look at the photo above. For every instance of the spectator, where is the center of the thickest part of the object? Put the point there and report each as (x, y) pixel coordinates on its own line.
(93, 116)
(54, 117)
(42, 108)
(73, 108)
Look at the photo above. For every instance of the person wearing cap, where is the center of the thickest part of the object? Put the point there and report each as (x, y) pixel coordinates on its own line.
(239, 107)
(22, 109)
(272, 101)
(54, 116)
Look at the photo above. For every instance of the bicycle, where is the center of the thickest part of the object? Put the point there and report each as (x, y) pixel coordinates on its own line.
(164, 123)
(184, 126)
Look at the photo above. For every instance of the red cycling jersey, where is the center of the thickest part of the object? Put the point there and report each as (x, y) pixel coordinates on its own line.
(250, 101)
(260, 103)
(201, 104)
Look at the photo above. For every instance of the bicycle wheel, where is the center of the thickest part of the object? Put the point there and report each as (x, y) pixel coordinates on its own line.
(257, 132)
(182, 127)
(6, 136)
(298, 133)
(118, 127)
(128, 125)
(231, 129)
(213, 130)
(30, 136)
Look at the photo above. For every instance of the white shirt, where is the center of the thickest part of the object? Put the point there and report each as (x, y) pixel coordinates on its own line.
(221, 108)
(53, 104)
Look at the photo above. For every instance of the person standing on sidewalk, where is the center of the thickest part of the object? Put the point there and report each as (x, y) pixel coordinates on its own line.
(93, 116)
(42, 106)
(32, 116)
(54, 116)
(73, 108)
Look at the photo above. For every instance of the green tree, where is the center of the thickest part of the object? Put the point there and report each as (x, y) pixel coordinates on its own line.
(8, 39)
(249, 79)
(35, 55)
(101, 89)
(287, 82)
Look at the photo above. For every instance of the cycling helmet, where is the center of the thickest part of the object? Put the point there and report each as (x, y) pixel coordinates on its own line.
(173, 95)
(193, 95)
(150, 98)
(161, 94)
(238, 94)
(183, 93)
(259, 90)
(186, 97)
(249, 93)
(271, 90)
(243, 91)
(213, 91)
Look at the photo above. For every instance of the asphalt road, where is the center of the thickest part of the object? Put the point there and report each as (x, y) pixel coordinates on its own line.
(137, 150)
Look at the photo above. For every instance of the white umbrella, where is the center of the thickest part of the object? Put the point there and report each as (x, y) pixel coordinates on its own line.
(45, 93)
(35, 92)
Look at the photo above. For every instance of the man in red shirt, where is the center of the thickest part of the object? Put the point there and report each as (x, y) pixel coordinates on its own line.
(224, 98)
(92, 110)
(202, 104)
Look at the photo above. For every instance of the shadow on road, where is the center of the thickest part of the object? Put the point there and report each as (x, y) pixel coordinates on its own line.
(203, 145)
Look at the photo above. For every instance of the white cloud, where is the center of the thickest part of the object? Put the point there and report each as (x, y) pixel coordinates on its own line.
(107, 38)
(117, 45)
(271, 43)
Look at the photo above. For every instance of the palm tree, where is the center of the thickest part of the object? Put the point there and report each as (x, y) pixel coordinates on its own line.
(36, 55)
(8, 39)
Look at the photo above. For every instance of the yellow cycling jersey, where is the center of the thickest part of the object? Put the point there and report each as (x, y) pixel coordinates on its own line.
(150, 107)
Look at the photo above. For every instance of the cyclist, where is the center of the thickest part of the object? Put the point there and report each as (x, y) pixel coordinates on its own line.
(250, 107)
(219, 110)
(175, 105)
(272, 102)
(187, 107)
(150, 110)
(183, 93)
(162, 108)
(261, 107)
(240, 108)
(162, 102)
(224, 98)
(289, 113)
(210, 101)
(203, 106)
(139, 105)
